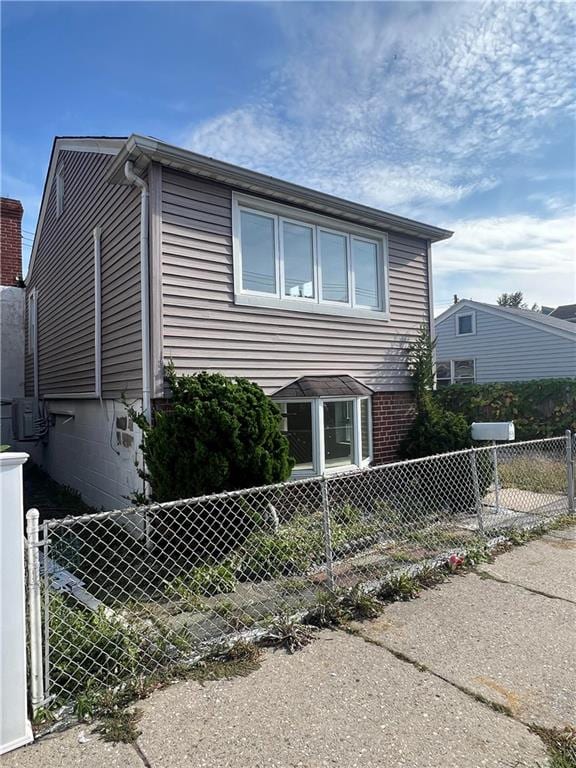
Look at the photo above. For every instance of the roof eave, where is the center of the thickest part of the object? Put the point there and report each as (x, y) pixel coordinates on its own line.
(142, 150)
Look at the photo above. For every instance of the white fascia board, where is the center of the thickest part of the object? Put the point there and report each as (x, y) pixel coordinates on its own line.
(143, 150)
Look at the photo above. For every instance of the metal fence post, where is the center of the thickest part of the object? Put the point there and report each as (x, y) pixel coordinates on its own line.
(570, 471)
(35, 611)
(327, 533)
(476, 487)
(496, 478)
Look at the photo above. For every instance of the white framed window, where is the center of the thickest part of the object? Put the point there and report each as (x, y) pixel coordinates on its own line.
(466, 324)
(328, 434)
(443, 373)
(292, 259)
(59, 192)
(455, 372)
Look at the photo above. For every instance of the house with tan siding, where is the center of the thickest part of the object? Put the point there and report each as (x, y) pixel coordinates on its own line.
(147, 253)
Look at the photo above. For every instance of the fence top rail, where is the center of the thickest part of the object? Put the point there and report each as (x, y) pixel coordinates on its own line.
(242, 492)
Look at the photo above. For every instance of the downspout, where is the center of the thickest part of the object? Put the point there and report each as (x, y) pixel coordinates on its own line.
(133, 178)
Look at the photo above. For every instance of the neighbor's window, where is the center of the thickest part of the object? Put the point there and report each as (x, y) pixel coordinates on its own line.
(59, 192)
(443, 374)
(290, 258)
(455, 372)
(465, 324)
(328, 434)
(463, 372)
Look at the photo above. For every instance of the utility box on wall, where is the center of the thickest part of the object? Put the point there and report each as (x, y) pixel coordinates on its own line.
(499, 431)
(26, 417)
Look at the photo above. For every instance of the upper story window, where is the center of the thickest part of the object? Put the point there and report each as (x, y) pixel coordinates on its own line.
(59, 192)
(466, 324)
(291, 259)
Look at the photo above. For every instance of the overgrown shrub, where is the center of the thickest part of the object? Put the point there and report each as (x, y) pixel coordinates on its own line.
(538, 408)
(218, 434)
(435, 429)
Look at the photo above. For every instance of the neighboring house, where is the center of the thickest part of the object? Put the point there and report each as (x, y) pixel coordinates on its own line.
(147, 253)
(11, 313)
(565, 312)
(478, 342)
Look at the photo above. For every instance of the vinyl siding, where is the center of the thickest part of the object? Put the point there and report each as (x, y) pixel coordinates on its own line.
(63, 274)
(506, 350)
(204, 330)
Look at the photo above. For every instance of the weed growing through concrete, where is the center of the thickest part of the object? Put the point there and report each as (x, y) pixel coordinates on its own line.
(120, 727)
(560, 744)
(287, 632)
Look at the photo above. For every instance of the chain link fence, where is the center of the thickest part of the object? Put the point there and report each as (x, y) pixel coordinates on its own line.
(130, 593)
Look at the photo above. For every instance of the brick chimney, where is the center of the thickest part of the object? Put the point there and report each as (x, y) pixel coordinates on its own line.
(10, 241)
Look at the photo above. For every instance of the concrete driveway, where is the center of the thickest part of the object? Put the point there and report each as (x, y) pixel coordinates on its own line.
(454, 677)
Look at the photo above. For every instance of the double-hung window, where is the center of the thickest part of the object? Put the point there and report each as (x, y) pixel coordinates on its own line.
(455, 372)
(292, 259)
(327, 434)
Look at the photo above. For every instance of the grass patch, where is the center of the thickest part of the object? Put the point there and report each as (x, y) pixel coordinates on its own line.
(239, 661)
(541, 475)
(120, 727)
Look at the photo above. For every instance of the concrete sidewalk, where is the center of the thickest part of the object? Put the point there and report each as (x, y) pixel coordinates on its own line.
(409, 691)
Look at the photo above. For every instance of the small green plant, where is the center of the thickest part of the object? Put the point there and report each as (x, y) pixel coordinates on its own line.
(288, 633)
(179, 590)
(209, 580)
(120, 727)
(361, 605)
(238, 661)
(399, 586)
(327, 611)
(560, 744)
(476, 552)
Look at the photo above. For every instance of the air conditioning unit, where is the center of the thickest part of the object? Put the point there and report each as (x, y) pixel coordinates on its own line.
(27, 419)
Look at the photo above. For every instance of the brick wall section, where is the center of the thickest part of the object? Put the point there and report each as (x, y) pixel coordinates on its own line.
(392, 415)
(10, 241)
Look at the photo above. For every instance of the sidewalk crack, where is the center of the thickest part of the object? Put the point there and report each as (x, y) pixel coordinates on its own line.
(142, 755)
(487, 575)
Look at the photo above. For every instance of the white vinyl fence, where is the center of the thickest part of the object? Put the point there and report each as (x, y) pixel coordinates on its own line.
(115, 606)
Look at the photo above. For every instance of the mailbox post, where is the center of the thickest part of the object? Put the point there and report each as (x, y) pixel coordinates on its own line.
(494, 431)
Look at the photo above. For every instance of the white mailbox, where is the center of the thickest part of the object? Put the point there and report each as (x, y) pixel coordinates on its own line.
(493, 430)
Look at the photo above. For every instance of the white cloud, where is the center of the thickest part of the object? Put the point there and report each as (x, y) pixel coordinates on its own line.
(403, 105)
(490, 255)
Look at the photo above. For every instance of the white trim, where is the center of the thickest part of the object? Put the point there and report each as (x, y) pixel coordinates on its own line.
(459, 315)
(318, 442)
(32, 334)
(59, 192)
(102, 146)
(432, 327)
(538, 321)
(317, 304)
(97, 233)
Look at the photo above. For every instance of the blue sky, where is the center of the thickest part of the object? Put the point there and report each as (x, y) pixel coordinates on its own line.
(461, 115)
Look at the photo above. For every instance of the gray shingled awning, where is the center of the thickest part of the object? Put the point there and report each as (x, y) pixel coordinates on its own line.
(322, 386)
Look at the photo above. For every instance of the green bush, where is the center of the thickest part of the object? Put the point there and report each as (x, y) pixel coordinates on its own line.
(435, 430)
(538, 408)
(219, 434)
(203, 581)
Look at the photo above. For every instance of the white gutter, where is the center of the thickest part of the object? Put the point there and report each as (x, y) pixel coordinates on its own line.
(133, 178)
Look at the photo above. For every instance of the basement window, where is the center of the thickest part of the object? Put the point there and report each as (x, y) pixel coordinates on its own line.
(327, 432)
